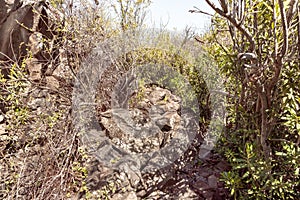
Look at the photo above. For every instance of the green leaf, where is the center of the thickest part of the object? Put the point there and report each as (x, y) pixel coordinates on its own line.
(280, 153)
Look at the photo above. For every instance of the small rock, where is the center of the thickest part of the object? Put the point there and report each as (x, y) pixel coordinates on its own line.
(205, 173)
(141, 193)
(188, 194)
(2, 129)
(204, 151)
(52, 83)
(200, 185)
(223, 166)
(157, 195)
(158, 94)
(212, 181)
(208, 195)
(62, 71)
(174, 106)
(35, 103)
(125, 196)
(35, 42)
(34, 68)
(1, 118)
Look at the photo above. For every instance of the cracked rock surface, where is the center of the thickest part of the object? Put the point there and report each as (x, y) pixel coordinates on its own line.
(147, 125)
(150, 121)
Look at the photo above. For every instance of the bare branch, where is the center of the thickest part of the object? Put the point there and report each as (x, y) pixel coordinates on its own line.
(200, 11)
(285, 29)
(274, 31)
(292, 9)
(235, 23)
(224, 5)
(198, 39)
(298, 29)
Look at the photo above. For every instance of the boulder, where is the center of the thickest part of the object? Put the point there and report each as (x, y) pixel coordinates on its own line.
(27, 26)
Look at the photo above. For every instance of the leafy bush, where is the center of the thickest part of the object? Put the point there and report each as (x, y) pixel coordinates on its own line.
(261, 140)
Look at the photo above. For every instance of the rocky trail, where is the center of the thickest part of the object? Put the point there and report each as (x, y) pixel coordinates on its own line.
(41, 151)
(151, 107)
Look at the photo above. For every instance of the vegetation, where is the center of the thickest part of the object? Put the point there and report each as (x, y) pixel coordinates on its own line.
(256, 45)
(256, 48)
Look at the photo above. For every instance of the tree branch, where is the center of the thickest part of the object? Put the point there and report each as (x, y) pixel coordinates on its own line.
(235, 23)
(285, 29)
(274, 31)
(292, 9)
(200, 11)
(224, 6)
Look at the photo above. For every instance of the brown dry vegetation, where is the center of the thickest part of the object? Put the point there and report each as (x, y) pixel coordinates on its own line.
(56, 47)
(42, 155)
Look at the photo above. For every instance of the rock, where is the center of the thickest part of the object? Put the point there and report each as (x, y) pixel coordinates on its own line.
(158, 95)
(201, 186)
(212, 181)
(125, 196)
(205, 151)
(205, 173)
(141, 193)
(62, 70)
(36, 43)
(36, 103)
(52, 83)
(2, 129)
(223, 166)
(188, 194)
(133, 174)
(34, 68)
(126, 123)
(1, 118)
(158, 195)
(208, 195)
(26, 26)
(144, 129)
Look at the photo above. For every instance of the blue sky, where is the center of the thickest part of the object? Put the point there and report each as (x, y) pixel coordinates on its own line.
(175, 14)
